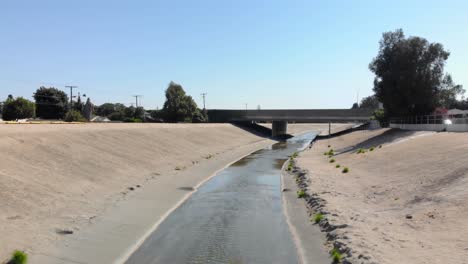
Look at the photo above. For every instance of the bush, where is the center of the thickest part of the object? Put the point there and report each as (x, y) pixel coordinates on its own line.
(318, 217)
(332, 160)
(19, 257)
(74, 116)
(345, 170)
(337, 166)
(336, 255)
(132, 120)
(18, 108)
(301, 194)
(381, 117)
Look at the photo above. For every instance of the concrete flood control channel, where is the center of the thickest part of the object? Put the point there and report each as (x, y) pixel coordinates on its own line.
(235, 217)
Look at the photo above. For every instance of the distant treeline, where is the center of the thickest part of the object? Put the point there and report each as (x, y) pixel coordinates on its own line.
(54, 104)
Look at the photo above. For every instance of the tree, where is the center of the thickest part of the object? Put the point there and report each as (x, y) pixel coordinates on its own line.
(178, 106)
(18, 108)
(409, 74)
(449, 93)
(88, 109)
(355, 106)
(51, 103)
(78, 105)
(105, 109)
(200, 116)
(369, 102)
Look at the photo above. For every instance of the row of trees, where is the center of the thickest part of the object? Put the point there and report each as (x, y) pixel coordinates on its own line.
(410, 78)
(178, 107)
(52, 103)
(49, 103)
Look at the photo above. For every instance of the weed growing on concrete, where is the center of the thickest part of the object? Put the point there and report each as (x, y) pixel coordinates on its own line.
(332, 160)
(371, 149)
(300, 194)
(337, 166)
(345, 170)
(318, 217)
(380, 146)
(336, 255)
(19, 257)
(361, 150)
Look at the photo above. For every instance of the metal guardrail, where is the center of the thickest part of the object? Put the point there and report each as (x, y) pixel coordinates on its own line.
(431, 119)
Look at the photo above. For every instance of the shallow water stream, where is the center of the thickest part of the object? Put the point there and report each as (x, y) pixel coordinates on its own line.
(235, 217)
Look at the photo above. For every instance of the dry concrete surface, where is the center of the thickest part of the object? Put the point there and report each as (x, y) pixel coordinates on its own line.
(62, 179)
(406, 202)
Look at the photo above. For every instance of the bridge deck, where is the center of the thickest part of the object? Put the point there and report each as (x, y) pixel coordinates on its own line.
(291, 115)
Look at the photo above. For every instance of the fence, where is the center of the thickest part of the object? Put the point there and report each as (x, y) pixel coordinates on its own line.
(453, 123)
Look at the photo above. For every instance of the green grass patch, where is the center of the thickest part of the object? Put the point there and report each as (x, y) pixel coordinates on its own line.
(345, 170)
(294, 155)
(301, 194)
(361, 150)
(318, 217)
(336, 255)
(332, 160)
(19, 257)
(290, 165)
(337, 166)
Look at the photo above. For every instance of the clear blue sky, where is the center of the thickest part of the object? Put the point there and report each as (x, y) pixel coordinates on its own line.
(277, 54)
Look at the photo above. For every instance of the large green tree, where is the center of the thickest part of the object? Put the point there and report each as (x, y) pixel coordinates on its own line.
(18, 108)
(178, 106)
(449, 93)
(369, 102)
(51, 103)
(409, 74)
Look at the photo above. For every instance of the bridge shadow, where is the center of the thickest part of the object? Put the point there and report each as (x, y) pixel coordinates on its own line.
(259, 130)
(389, 136)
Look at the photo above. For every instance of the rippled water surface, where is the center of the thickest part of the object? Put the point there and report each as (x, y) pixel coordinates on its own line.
(236, 217)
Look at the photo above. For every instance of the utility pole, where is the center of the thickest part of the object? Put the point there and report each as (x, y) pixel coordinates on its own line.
(203, 95)
(246, 106)
(136, 99)
(71, 94)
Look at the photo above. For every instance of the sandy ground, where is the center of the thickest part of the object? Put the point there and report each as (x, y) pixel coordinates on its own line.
(403, 203)
(69, 177)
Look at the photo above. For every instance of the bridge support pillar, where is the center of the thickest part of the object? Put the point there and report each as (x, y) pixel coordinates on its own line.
(279, 128)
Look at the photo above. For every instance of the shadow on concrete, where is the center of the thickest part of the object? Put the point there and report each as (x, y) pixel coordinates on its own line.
(259, 130)
(388, 136)
(344, 131)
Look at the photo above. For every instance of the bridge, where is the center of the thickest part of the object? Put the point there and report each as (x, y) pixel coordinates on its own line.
(280, 118)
